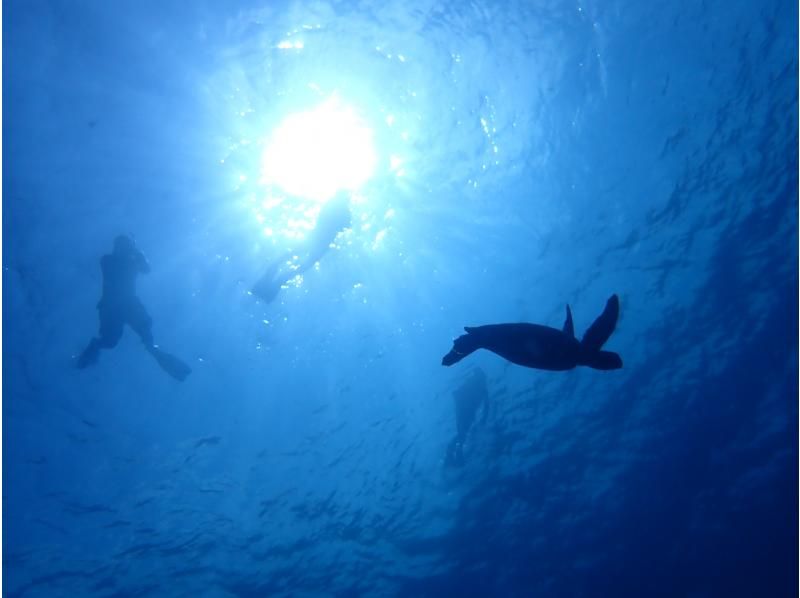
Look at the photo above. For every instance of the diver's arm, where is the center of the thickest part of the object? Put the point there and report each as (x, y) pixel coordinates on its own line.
(141, 262)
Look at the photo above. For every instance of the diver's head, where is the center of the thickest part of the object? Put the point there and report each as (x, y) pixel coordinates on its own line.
(123, 244)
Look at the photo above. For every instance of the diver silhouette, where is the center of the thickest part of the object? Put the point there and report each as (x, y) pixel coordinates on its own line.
(119, 305)
(467, 399)
(334, 217)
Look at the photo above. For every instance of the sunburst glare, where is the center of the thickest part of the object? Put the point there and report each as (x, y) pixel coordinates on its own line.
(315, 154)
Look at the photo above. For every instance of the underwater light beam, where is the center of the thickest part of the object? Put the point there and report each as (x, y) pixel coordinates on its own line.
(317, 153)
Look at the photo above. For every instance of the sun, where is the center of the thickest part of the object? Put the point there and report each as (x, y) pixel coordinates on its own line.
(315, 154)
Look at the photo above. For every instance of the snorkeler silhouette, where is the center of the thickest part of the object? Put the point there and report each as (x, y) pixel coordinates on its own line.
(119, 305)
(334, 217)
(467, 399)
(542, 347)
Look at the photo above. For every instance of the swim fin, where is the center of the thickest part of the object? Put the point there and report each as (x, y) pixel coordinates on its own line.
(89, 355)
(266, 289)
(269, 285)
(170, 364)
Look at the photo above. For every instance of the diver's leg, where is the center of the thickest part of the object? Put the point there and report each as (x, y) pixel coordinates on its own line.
(89, 354)
(141, 323)
(110, 332)
(455, 452)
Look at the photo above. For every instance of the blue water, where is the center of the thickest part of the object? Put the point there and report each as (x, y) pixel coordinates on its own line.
(527, 155)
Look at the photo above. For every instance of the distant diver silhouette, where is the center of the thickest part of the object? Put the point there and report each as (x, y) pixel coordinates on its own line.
(542, 347)
(119, 305)
(467, 399)
(334, 217)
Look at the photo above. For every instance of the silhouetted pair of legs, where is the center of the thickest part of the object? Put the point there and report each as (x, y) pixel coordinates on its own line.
(113, 318)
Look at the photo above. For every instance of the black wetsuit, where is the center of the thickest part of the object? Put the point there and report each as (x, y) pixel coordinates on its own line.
(119, 304)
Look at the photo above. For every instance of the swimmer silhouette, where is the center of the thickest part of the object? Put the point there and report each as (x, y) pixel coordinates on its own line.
(119, 305)
(334, 217)
(542, 347)
(467, 399)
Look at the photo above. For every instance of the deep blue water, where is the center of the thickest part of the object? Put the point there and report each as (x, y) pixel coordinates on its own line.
(527, 155)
